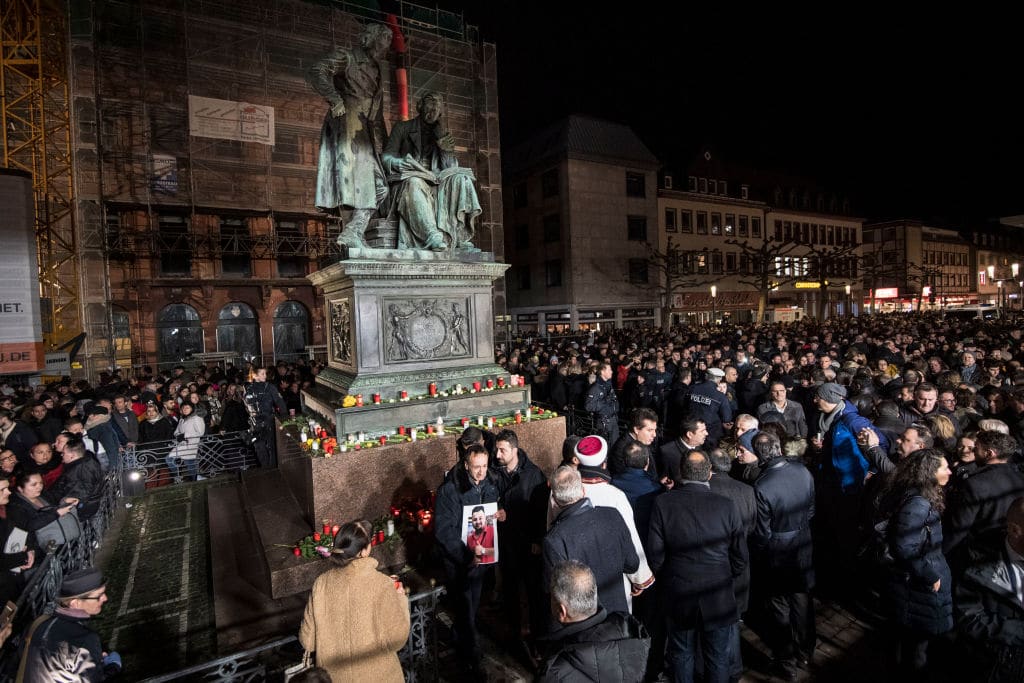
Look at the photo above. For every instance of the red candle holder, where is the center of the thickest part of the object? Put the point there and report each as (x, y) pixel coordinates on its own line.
(490, 384)
(465, 422)
(359, 399)
(376, 399)
(380, 536)
(327, 529)
(401, 430)
(396, 512)
(404, 394)
(476, 386)
(501, 382)
(432, 389)
(383, 440)
(335, 529)
(430, 429)
(519, 417)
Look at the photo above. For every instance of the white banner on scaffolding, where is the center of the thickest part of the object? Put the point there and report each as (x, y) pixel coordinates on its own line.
(229, 120)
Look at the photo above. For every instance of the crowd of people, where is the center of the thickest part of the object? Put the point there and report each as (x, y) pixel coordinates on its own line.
(733, 473)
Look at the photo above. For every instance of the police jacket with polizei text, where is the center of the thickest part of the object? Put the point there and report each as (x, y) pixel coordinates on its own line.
(601, 400)
(710, 405)
(266, 397)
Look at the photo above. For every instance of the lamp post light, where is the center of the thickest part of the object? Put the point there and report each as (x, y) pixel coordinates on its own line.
(1015, 269)
(991, 277)
(714, 301)
(849, 302)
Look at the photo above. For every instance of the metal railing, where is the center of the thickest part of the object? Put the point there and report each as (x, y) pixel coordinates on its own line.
(216, 453)
(40, 592)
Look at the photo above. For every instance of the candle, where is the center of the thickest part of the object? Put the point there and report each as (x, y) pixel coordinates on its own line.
(376, 399)
(476, 386)
(501, 382)
(335, 529)
(404, 395)
(432, 389)
(430, 429)
(344, 448)
(401, 430)
(519, 416)
(490, 423)
(361, 436)
(359, 399)
(303, 435)
(480, 421)
(528, 411)
(391, 527)
(465, 422)
(413, 434)
(351, 438)
(490, 383)
(458, 388)
(296, 552)
(327, 528)
(440, 425)
(383, 439)
(380, 536)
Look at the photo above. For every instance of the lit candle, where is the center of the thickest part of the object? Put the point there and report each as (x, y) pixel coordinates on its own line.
(391, 527)
(476, 386)
(401, 430)
(362, 436)
(383, 439)
(458, 388)
(327, 528)
(490, 383)
(480, 421)
(344, 448)
(359, 399)
(465, 422)
(519, 416)
(501, 382)
(490, 423)
(413, 434)
(376, 399)
(404, 395)
(432, 389)
(430, 429)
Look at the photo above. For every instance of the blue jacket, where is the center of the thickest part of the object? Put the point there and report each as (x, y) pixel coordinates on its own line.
(640, 491)
(843, 465)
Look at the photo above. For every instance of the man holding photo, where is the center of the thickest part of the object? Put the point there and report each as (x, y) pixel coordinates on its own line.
(481, 539)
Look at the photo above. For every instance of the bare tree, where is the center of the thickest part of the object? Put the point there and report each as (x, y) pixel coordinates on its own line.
(923, 275)
(828, 262)
(765, 264)
(676, 270)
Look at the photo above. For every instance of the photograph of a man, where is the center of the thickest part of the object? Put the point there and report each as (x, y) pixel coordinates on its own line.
(481, 532)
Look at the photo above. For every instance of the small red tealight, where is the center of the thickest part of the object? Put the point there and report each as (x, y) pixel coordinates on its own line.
(380, 536)
(404, 394)
(490, 384)
(401, 430)
(430, 429)
(501, 381)
(359, 399)
(376, 399)
(465, 422)
(432, 389)
(476, 386)
(383, 440)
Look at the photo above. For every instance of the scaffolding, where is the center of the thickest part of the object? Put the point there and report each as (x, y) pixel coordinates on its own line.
(37, 138)
(106, 94)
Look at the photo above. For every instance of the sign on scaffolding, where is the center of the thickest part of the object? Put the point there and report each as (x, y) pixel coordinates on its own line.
(229, 120)
(21, 327)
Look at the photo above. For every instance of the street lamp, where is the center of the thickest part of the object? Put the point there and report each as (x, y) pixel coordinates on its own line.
(714, 295)
(991, 277)
(1015, 268)
(849, 302)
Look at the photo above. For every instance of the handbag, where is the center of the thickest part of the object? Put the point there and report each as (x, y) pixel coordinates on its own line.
(61, 530)
(295, 669)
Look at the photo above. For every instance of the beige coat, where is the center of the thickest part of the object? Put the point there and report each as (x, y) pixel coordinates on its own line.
(356, 622)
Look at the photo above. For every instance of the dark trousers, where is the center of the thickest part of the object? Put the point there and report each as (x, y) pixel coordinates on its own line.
(266, 451)
(712, 645)
(911, 655)
(466, 589)
(648, 609)
(521, 573)
(791, 618)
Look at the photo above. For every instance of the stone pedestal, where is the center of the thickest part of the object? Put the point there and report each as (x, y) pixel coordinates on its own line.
(401, 320)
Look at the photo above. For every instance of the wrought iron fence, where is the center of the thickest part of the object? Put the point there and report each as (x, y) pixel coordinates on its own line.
(216, 453)
(40, 592)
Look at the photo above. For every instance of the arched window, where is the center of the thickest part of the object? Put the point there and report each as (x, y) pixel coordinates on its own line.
(179, 333)
(237, 331)
(291, 330)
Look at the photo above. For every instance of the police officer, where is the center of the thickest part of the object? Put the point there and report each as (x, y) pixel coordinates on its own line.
(603, 404)
(262, 398)
(709, 404)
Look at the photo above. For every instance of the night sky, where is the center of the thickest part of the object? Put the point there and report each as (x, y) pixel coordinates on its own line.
(912, 116)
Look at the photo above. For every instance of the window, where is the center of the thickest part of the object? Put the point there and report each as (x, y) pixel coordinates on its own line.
(716, 263)
(716, 224)
(713, 186)
(704, 185)
(291, 330)
(805, 232)
(519, 196)
(702, 222)
(636, 228)
(723, 188)
(238, 330)
(179, 333)
(291, 259)
(730, 262)
(552, 227)
(831, 239)
(175, 246)
(744, 192)
(522, 236)
(755, 227)
(685, 220)
(787, 230)
(638, 271)
(553, 273)
(668, 182)
(691, 183)
(235, 247)
(702, 262)
(522, 276)
(670, 220)
(814, 233)
(730, 224)
(744, 226)
(778, 230)
(549, 184)
(635, 185)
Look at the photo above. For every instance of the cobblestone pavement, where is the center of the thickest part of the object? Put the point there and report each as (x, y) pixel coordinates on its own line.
(160, 615)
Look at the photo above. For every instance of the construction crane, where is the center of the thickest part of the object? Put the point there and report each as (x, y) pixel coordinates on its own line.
(36, 120)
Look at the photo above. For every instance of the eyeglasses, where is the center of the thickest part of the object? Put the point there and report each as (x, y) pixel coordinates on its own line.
(93, 597)
(8, 457)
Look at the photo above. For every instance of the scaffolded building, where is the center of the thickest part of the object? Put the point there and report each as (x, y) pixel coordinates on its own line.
(190, 157)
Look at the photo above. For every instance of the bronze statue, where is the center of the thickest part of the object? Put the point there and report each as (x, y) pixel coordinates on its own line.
(434, 197)
(349, 174)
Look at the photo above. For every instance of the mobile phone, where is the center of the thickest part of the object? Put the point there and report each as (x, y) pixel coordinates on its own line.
(8, 614)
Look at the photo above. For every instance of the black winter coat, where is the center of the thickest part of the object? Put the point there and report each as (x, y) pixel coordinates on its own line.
(64, 643)
(455, 493)
(523, 495)
(611, 648)
(976, 515)
(82, 479)
(597, 537)
(697, 548)
(990, 615)
(915, 542)
(782, 532)
(156, 431)
(742, 495)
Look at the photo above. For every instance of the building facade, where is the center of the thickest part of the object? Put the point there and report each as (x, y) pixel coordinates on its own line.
(581, 210)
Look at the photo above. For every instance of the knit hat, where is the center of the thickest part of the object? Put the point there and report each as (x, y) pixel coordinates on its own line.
(592, 451)
(831, 392)
(81, 582)
(747, 439)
